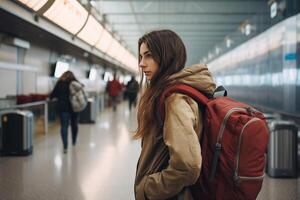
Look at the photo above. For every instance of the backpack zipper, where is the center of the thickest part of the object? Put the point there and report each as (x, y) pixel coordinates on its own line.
(218, 146)
(236, 176)
(228, 114)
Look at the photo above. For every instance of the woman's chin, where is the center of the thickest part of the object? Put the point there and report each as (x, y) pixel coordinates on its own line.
(148, 78)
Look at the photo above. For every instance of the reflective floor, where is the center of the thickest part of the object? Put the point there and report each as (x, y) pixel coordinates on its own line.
(100, 167)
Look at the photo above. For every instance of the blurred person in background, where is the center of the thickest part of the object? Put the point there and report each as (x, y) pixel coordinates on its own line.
(114, 89)
(61, 92)
(132, 89)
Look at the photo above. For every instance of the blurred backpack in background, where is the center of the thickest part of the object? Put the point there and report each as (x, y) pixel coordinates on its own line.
(78, 97)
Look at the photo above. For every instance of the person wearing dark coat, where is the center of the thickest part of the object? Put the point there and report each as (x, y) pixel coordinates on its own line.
(132, 89)
(61, 92)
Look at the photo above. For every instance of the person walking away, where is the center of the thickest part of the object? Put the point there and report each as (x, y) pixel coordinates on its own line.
(132, 89)
(61, 92)
(170, 159)
(114, 89)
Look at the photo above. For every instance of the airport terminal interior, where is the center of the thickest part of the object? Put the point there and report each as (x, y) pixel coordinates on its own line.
(251, 47)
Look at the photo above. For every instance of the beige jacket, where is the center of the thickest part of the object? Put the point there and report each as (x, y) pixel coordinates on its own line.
(170, 162)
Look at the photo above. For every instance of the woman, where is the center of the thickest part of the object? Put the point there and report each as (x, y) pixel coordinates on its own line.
(61, 91)
(170, 160)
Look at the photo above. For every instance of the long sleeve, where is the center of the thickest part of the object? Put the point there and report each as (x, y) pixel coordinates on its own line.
(54, 92)
(184, 149)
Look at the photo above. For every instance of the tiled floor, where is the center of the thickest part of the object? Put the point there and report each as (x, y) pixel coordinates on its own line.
(100, 167)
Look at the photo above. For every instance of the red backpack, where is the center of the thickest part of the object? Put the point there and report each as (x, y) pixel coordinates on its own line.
(233, 145)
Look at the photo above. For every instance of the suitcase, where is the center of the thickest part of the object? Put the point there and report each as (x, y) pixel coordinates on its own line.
(282, 149)
(16, 132)
(88, 115)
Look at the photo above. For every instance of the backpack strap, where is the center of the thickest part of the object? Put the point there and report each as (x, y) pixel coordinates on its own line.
(199, 98)
(182, 89)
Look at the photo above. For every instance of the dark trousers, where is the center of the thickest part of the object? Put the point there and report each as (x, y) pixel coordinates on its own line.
(114, 102)
(131, 100)
(65, 118)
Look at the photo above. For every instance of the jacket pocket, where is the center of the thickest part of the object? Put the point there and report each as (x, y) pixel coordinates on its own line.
(161, 162)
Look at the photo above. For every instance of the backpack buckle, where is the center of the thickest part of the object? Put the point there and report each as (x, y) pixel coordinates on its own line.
(250, 111)
(218, 149)
(236, 179)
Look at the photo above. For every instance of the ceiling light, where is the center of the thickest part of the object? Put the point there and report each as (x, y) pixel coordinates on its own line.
(93, 3)
(65, 13)
(247, 29)
(228, 42)
(273, 9)
(34, 4)
(91, 32)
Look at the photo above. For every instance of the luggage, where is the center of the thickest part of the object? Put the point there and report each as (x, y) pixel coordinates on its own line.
(88, 115)
(17, 130)
(282, 149)
(233, 146)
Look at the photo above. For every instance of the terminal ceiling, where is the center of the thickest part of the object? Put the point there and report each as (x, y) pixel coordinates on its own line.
(202, 24)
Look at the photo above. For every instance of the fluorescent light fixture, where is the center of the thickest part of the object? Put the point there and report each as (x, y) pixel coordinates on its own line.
(34, 4)
(114, 49)
(125, 60)
(228, 42)
(132, 62)
(127, 78)
(247, 29)
(289, 76)
(273, 9)
(262, 79)
(60, 68)
(92, 145)
(91, 31)
(219, 80)
(121, 57)
(68, 14)
(93, 74)
(93, 3)
(276, 79)
(128, 60)
(121, 79)
(105, 41)
(107, 76)
(17, 42)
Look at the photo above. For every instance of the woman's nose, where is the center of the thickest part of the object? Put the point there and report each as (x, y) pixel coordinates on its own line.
(142, 63)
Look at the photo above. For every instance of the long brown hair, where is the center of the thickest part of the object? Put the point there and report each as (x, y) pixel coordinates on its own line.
(169, 53)
(67, 76)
